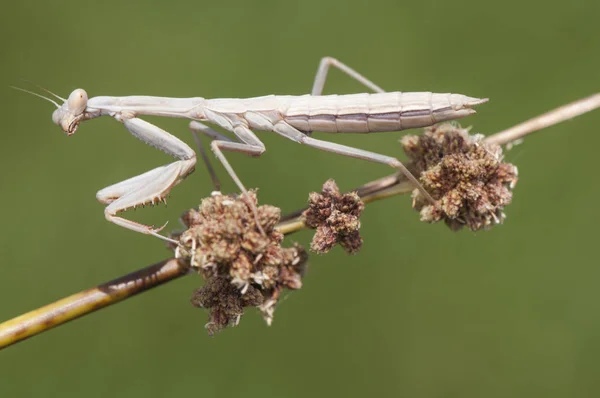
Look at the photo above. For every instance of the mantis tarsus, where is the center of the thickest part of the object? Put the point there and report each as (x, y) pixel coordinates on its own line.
(294, 117)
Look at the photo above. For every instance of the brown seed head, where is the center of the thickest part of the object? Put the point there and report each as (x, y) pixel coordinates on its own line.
(335, 217)
(242, 267)
(466, 176)
(224, 302)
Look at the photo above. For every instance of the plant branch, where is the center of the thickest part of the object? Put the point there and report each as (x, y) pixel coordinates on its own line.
(548, 119)
(109, 293)
(88, 301)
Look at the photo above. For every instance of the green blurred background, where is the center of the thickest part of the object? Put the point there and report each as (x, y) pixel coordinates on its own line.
(419, 312)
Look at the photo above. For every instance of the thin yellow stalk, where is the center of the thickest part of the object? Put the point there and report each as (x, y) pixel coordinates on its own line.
(88, 301)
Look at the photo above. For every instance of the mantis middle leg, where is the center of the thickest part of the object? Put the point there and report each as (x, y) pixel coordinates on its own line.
(248, 143)
(196, 128)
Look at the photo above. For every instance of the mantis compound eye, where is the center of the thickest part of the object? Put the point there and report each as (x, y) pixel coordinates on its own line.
(77, 101)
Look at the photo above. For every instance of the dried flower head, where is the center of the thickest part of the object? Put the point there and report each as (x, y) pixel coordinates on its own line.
(465, 175)
(241, 266)
(335, 216)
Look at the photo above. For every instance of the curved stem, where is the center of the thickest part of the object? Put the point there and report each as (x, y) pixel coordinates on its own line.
(548, 119)
(88, 301)
(109, 293)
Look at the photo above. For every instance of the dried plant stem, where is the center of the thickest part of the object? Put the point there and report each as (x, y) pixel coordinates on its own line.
(88, 301)
(548, 119)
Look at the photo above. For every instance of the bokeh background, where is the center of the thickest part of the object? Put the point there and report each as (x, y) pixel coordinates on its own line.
(419, 312)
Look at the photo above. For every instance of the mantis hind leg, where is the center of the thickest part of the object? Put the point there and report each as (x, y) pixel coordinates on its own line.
(317, 89)
(292, 133)
(321, 76)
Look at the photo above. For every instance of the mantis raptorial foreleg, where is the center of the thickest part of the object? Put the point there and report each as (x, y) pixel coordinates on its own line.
(152, 186)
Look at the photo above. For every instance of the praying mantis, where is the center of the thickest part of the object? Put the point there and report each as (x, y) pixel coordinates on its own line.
(293, 117)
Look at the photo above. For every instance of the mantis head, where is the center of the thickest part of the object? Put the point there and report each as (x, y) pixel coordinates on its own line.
(69, 115)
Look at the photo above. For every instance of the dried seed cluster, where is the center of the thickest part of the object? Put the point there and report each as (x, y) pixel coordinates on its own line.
(335, 216)
(467, 177)
(241, 266)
